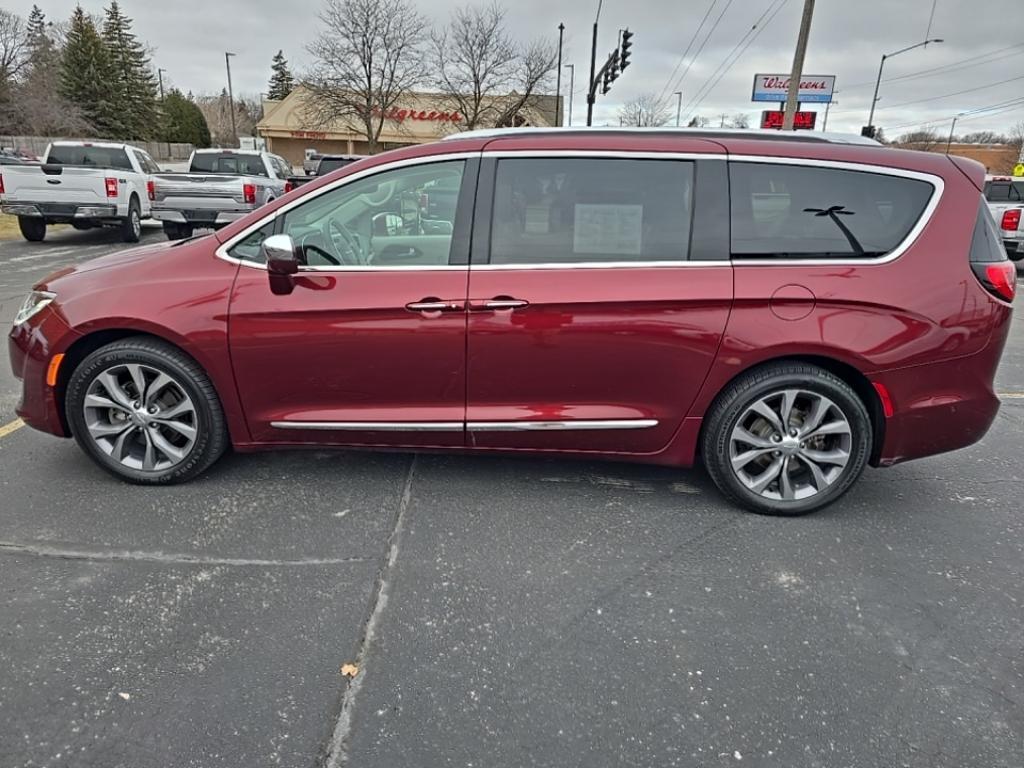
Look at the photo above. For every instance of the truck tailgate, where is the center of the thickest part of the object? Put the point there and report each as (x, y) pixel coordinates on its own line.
(57, 184)
(198, 191)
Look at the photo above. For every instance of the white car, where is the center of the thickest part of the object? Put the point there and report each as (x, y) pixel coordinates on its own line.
(85, 184)
(1005, 196)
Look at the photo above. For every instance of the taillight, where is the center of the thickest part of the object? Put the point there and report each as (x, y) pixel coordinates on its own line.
(111, 187)
(1011, 220)
(249, 192)
(1, 184)
(998, 277)
(151, 189)
(288, 187)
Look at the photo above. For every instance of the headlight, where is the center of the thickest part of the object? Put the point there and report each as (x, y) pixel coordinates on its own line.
(34, 304)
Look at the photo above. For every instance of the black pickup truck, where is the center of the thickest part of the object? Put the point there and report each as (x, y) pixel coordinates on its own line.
(327, 164)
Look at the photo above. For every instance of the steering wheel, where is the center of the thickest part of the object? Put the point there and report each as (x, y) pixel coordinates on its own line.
(346, 246)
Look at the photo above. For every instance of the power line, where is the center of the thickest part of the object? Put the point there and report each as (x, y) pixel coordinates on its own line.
(943, 96)
(753, 33)
(943, 69)
(971, 114)
(714, 26)
(689, 45)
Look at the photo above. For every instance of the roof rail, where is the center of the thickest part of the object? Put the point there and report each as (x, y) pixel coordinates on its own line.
(709, 133)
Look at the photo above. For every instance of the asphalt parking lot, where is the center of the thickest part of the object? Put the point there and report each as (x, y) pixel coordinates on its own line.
(501, 612)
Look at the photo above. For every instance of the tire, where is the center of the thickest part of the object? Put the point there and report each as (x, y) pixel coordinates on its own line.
(32, 228)
(131, 225)
(805, 489)
(188, 399)
(173, 230)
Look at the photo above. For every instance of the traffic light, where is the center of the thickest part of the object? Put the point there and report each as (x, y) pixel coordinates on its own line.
(606, 81)
(624, 47)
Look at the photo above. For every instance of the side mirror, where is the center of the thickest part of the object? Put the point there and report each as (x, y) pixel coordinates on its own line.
(282, 263)
(279, 251)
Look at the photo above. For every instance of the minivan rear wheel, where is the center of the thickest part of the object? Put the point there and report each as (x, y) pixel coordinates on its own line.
(787, 439)
(146, 412)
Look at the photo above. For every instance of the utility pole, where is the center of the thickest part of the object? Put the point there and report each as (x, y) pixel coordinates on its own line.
(952, 128)
(558, 77)
(572, 86)
(828, 105)
(679, 106)
(160, 76)
(798, 66)
(592, 88)
(231, 100)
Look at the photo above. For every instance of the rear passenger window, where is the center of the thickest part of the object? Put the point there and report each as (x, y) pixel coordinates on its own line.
(791, 211)
(570, 210)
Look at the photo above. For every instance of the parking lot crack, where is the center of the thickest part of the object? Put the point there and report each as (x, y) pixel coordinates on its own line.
(125, 555)
(337, 753)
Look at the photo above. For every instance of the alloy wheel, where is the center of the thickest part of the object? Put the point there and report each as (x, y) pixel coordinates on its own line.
(141, 417)
(790, 445)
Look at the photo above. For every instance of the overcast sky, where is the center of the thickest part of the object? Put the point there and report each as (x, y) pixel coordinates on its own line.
(847, 39)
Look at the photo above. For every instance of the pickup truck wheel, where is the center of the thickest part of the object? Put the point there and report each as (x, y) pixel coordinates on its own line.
(32, 229)
(131, 226)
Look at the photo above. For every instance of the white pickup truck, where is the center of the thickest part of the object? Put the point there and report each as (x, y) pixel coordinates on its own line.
(84, 184)
(221, 185)
(1005, 196)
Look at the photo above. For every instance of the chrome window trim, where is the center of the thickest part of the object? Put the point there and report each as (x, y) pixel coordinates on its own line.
(473, 426)
(222, 250)
(938, 186)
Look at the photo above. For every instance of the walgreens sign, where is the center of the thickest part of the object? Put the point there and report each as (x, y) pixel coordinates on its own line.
(813, 88)
(401, 115)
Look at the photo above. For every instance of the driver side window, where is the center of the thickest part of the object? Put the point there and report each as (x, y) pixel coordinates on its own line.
(398, 218)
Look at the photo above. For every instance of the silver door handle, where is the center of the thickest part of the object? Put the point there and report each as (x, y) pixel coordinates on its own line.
(434, 306)
(504, 304)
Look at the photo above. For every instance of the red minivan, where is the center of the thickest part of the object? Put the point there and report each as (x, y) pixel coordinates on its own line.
(786, 308)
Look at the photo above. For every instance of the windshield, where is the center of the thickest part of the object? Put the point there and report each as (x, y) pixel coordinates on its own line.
(89, 157)
(1005, 191)
(229, 163)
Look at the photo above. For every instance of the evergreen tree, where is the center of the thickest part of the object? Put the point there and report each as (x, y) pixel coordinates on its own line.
(183, 121)
(281, 82)
(134, 85)
(87, 77)
(36, 28)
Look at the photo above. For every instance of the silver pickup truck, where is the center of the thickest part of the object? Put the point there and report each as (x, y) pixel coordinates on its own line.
(221, 185)
(1005, 196)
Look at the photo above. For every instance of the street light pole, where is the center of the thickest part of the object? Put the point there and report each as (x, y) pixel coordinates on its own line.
(878, 81)
(679, 106)
(231, 99)
(591, 88)
(572, 87)
(952, 128)
(558, 76)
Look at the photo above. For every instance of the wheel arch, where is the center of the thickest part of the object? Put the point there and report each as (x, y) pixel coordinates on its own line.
(88, 343)
(853, 377)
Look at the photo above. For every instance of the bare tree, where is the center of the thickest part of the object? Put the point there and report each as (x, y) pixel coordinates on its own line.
(924, 140)
(483, 73)
(13, 50)
(216, 111)
(367, 60)
(740, 120)
(644, 111)
(983, 137)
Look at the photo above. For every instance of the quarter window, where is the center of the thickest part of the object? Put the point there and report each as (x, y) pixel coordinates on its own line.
(791, 211)
(571, 210)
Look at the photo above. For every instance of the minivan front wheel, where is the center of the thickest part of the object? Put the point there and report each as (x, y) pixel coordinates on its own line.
(787, 439)
(145, 412)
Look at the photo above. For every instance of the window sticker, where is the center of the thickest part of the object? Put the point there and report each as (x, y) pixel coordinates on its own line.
(608, 229)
